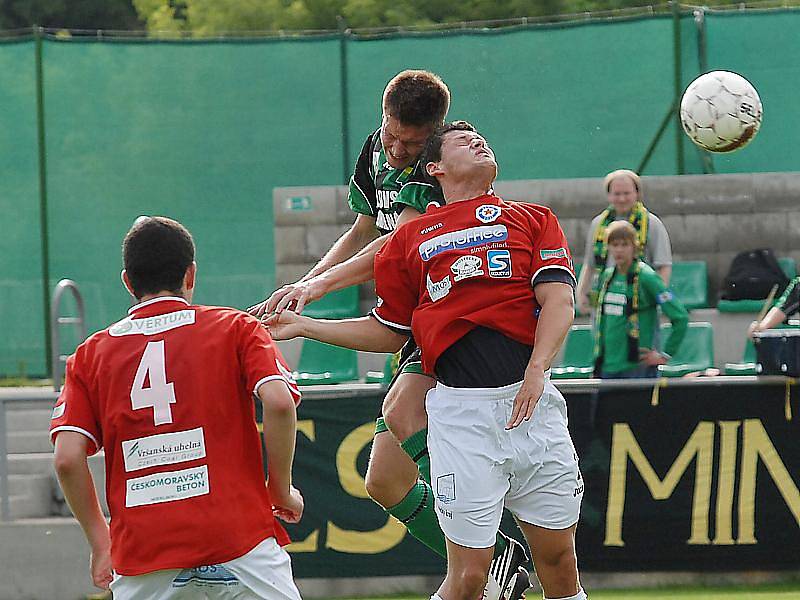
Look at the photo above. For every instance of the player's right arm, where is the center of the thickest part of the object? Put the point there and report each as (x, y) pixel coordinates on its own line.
(280, 423)
(362, 198)
(76, 481)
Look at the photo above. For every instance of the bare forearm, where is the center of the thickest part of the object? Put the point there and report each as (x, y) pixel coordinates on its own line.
(355, 270)
(280, 422)
(78, 486)
(362, 333)
(774, 317)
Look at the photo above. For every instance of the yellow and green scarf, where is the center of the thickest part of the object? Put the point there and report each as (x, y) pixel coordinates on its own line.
(639, 218)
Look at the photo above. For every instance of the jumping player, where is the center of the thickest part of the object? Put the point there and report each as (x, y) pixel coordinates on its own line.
(168, 393)
(486, 288)
(389, 188)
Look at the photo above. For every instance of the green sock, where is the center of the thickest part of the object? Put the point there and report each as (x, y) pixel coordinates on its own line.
(416, 446)
(416, 511)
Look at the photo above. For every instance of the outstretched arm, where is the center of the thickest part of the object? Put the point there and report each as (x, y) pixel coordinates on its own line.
(362, 333)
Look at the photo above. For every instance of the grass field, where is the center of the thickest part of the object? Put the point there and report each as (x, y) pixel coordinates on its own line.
(759, 592)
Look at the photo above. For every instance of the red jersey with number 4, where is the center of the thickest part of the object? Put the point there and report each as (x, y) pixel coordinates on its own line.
(168, 393)
(467, 264)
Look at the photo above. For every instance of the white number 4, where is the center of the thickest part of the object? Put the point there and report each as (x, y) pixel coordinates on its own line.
(160, 394)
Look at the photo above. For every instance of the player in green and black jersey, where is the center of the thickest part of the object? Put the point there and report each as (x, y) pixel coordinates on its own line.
(386, 190)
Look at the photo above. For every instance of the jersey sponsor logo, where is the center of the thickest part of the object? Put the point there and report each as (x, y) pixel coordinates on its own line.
(466, 267)
(379, 303)
(59, 410)
(499, 263)
(553, 254)
(615, 310)
(431, 228)
(206, 576)
(438, 289)
(446, 488)
(167, 487)
(486, 213)
(152, 325)
(665, 296)
(164, 449)
(463, 238)
(615, 298)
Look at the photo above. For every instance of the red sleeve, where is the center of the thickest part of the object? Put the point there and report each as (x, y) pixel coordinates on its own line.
(397, 296)
(74, 411)
(261, 359)
(550, 249)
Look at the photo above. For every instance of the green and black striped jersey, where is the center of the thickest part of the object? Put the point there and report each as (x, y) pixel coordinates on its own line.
(378, 190)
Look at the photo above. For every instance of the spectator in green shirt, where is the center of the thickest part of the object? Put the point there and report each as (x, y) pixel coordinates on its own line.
(626, 327)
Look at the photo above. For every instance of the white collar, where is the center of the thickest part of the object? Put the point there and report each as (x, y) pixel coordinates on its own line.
(154, 300)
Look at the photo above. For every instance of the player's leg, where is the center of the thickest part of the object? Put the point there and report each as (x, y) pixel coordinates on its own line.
(264, 572)
(393, 482)
(404, 414)
(173, 584)
(555, 561)
(467, 569)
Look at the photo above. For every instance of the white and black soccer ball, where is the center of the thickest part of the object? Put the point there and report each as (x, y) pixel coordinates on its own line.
(721, 111)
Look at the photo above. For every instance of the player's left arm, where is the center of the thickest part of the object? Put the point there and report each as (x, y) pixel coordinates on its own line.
(556, 300)
(362, 333)
(72, 469)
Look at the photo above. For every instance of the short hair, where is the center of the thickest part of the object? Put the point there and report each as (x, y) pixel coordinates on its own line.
(622, 231)
(417, 98)
(156, 253)
(622, 173)
(433, 147)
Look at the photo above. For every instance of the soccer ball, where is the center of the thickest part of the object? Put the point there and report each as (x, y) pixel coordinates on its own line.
(721, 111)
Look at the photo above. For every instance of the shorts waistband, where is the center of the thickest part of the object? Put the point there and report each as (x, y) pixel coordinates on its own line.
(493, 393)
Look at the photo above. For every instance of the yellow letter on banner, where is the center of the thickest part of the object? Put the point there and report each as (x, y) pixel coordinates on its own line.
(624, 445)
(756, 444)
(360, 542)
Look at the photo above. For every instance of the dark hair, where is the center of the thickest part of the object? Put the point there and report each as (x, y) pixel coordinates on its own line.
(433, 148)
(156, 253)
(417, 98)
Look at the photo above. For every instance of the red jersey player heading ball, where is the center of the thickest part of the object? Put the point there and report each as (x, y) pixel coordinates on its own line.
(167, 392)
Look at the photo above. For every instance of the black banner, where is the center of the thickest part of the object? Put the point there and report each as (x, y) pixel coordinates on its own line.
(706, 478)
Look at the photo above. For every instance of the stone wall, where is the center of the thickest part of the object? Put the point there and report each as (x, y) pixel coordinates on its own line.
(709, 217)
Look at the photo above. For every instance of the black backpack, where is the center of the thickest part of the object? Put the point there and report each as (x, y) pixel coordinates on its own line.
(752, 276)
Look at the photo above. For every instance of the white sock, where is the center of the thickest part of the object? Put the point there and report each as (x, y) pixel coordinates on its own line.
(581, 595)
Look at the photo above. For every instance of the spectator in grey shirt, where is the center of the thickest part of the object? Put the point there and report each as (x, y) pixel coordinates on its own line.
(624, 191)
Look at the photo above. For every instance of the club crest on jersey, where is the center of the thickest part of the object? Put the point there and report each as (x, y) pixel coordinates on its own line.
(466, 267)
(552, 254)
(486, 213)
(463, 238)
(59, 410)
(438, 289)
(499, 263)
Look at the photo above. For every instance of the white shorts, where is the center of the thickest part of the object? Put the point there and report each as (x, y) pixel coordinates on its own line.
(477, 466)
(264, 572)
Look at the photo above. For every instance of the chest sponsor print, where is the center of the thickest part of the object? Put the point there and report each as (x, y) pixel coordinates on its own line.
(466, 267)
(163, 449)
(499, 263)
(461, 239)
(438, 289)
(167, 487)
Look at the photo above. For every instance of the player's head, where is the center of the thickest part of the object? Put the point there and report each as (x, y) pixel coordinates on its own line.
(624, 189)
(414, 104)
(158, 257)
(622, 242)
(456, 152)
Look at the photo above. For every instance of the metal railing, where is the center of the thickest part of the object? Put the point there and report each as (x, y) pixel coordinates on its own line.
(58, 360)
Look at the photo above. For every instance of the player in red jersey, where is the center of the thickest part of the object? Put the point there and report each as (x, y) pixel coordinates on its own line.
(167, 392)
(486, 288)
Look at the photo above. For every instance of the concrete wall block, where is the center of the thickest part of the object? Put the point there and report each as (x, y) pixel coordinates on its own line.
(736, 233)
(344, 214)
(793, 222)
(290, 244)
(290, 272)
(567, 197)
(304, 205)
(692, 235)
(320, 238)
(699, 194)
(778, 191)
